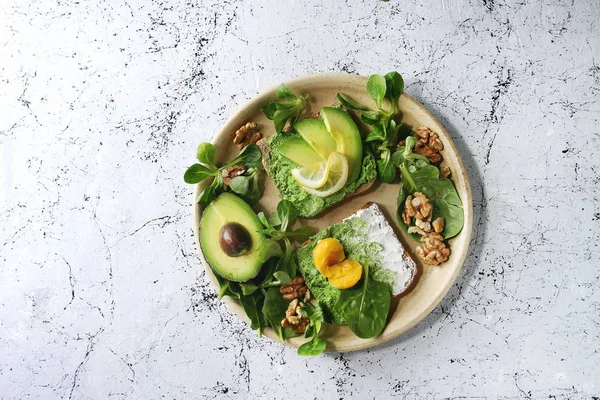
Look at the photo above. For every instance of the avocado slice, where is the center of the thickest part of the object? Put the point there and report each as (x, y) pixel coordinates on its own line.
(295, 149)
(345, 132)
(230, 209)
(314, 132)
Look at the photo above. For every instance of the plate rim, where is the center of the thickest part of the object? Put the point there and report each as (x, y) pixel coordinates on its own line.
(268, 94)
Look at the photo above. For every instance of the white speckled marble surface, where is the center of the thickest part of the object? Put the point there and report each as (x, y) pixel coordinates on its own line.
(101, 107)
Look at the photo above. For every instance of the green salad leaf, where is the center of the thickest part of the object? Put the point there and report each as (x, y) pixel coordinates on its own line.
(197, 173)
(365, 308)
(350, 103)
(250, 299)
(317, 317)
(314, 347)
(287, 109)
(253, 305)
(394, 86)
(286, 215)
(248, 288)
(384, 133)
(376, 87)
(274, 307)
(245, 185)
(249, 157)
(205, 153)
(418, 175)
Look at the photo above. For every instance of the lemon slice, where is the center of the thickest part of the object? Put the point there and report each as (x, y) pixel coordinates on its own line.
(336, 176)
(313, 176)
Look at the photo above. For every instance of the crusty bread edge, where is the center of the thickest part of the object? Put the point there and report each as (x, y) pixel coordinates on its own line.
(415, 273)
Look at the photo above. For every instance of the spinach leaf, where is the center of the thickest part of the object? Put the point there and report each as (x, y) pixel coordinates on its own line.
(446, 203)
(313, 348)
(290, 108)
(248, 288)
(225, 287)
(252, 305)
(376, 87)
(273, 309)
(420, 176)
(365, 308)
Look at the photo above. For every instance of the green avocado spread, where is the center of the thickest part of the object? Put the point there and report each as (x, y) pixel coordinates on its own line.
(308, 205)
(353, 235)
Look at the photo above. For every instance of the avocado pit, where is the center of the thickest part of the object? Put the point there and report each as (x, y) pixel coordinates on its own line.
(234, 239)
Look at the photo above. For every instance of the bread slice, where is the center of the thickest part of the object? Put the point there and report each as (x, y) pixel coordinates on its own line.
(279, 168)
(395, 257)
(394, 266)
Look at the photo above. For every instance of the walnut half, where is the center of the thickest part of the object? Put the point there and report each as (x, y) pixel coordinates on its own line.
(433, 250)
(232, 172)
(296, 289)
(428, 144)
(293, 318)
(246, 134)
(416, 207)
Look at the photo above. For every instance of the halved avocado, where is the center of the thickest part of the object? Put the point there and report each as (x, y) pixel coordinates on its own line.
(226, 217)
(297, 150)
(314, 132)
(347, 136)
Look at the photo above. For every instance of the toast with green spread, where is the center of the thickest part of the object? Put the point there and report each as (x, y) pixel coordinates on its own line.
(368, 238)
(308, 205)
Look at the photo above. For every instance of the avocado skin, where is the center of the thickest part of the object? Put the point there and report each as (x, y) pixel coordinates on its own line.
(227, 208)
(280, 168)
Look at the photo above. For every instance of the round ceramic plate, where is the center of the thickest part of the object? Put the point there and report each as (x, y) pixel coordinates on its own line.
(432, 283)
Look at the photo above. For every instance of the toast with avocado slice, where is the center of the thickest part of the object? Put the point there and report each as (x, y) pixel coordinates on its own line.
(312, 142)
(366, 237)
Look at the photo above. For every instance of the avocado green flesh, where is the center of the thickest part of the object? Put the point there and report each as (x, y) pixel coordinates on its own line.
(297, 150)
(224, 209)
(347, 136)
(352, 233)
(308, 205)
(314, 132)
